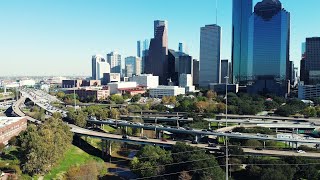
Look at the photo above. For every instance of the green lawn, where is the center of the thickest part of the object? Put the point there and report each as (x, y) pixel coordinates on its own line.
(74, 156)
(93, 142)
(108, 129)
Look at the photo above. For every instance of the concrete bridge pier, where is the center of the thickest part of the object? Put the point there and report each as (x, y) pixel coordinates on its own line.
(141, 132)
(158, 134)
(109, 151)
(264, 144)
(196, 138)
(103, 147)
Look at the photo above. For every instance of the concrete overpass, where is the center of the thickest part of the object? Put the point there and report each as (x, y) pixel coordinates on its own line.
(110, 137)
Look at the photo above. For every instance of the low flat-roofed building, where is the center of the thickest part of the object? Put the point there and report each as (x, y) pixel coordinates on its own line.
(110, 78)
(96, 93)
(132, 91)
(115, 88)
(10, 127)
(91, 83)
(161, 91)
(221, 88)
(71, 83)
(146, 80)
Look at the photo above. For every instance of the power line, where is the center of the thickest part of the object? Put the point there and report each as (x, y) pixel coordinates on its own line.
(304, 164)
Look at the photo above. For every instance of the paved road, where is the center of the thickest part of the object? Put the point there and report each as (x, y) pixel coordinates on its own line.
(86, 132)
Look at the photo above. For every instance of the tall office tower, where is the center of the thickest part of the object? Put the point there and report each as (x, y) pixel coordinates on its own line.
(181, 48)
(312, 61)
(139, 52)
(303, 49)
(291, 72)
(157, 61)
(135, 63)
(195, 74)
(185, 64)
(145, 52)
(159, 23)
(269, 38)
(129, 70)
(114, 59)
(210, 43)
(99, 66)
(303, 73)
(241, 12)
(173, 63)
(224, 70)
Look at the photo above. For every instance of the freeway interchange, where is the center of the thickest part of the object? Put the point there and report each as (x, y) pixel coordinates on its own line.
(157, 127)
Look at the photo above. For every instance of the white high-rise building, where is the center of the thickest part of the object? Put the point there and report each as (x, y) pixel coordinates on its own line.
(102, 67)
(99, 66)
(186, 81)
(146, 80)
(114, 59)
(210, 55)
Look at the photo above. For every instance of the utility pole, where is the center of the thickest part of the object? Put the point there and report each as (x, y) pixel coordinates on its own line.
(74, 94)
(227, 158)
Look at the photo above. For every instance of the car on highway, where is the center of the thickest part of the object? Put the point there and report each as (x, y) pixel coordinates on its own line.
(236, 133)
(300, 151)
(144, 137)
(164, 140)
(125, 136)
(258, 148)
(194, 142)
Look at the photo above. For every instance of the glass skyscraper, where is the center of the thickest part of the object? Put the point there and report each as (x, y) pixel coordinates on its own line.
(241, 12)
(269, 38)
(210, 42)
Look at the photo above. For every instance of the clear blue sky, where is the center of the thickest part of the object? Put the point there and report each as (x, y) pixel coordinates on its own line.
(58, 37)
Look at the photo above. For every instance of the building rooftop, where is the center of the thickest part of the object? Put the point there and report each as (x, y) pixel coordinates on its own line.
(5, 121)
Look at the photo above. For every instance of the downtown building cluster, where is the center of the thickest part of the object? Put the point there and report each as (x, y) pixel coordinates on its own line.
(260, 55)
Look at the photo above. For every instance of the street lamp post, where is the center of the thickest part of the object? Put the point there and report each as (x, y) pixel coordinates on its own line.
(227, 160)
(74, 94)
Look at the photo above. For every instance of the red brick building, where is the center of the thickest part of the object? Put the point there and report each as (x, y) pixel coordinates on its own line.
(10, 127)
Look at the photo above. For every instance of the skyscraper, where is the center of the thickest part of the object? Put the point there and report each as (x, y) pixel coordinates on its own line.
(210, 36)
(145, 52)
(195, 74)
(241, 12)
(312, 61)
(269, 38)
(135, 63)
(99, 66)
(180, 47)
(224, 70)
(157, 61)
(114, 59)
(139, 48)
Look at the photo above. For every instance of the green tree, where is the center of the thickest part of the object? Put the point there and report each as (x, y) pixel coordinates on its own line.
(42, 146)
(149, 160)
(253, 143)
(114, 113)
(118, 99)
(184, 175)
(136, 98)
(211, 95)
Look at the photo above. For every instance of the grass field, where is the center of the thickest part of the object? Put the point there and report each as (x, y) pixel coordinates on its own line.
(108, 129)
(74, 156)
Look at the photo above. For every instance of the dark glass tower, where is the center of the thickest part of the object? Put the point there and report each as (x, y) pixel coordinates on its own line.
(312, 61)
(241, 12)
(157, 60)
(269, 38)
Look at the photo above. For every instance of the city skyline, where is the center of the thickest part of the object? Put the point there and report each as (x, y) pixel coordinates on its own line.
(60, 38)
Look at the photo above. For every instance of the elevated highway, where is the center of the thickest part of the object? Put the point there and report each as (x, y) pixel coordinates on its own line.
(105, 136)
